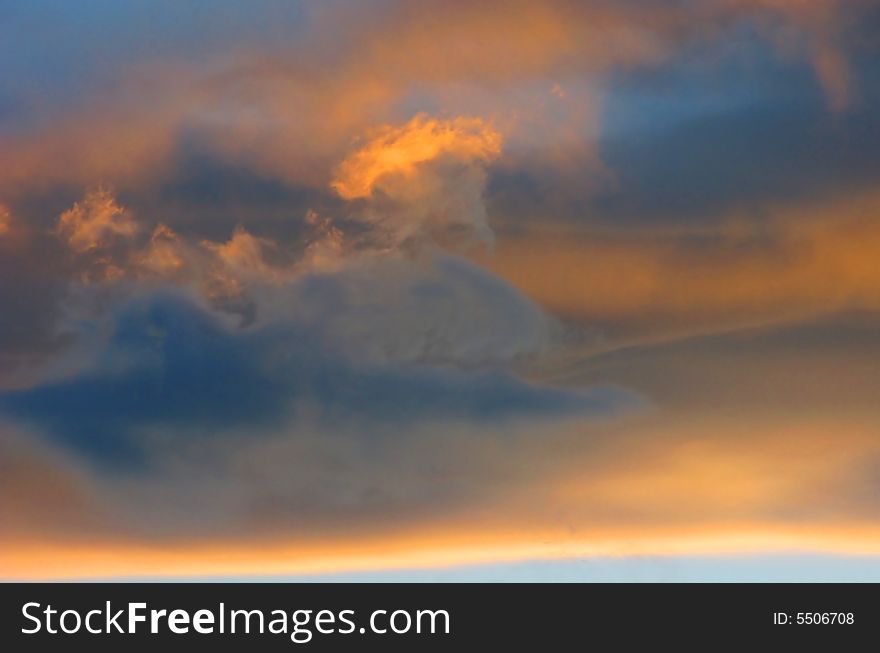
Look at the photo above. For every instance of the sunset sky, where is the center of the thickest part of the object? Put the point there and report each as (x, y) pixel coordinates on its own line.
(433, 290)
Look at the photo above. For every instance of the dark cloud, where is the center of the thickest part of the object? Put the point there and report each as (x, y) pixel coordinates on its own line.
(717, 128)
(172, 365)
(771, 140)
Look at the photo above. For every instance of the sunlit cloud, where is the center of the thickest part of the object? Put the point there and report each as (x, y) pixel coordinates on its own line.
(95, 222)
(430, 176)
(794, 262)
(397, 152)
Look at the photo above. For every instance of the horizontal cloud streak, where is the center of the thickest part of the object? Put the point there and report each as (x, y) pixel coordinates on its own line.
(793, 262)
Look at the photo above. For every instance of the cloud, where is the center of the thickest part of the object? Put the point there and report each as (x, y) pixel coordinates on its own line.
(375, 282)
(95, 222)
(187, 379)
(789, 262)
(397, 152)
(329, 501)
(288, 111)
(440, 310)
(364, 329)
(822, 24)
(170, 363)
(185, 427)
(363, 334)
(428, 176)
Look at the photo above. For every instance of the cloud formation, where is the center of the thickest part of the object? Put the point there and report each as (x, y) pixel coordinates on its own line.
(426, 177)
(95, 222)
(189, 359)
(359, 284)
(397, 152)
(170, 365)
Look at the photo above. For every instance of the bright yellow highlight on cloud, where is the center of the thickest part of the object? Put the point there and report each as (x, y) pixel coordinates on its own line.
(399, 151)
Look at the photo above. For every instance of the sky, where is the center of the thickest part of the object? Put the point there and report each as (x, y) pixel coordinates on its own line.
(416, 290)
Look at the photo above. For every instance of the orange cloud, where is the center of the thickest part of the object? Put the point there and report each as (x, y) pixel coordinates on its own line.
(797, 261)
(95, 221)
(399, 151)
(164, 255)
(422, 180)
